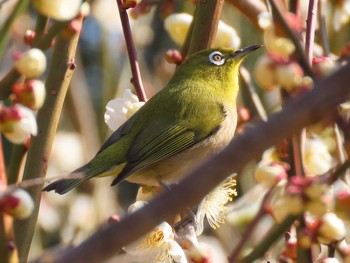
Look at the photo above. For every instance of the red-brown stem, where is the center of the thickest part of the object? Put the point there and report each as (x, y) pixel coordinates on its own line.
(310, 30)
(134, 64)
(298, 47)
(235, 255)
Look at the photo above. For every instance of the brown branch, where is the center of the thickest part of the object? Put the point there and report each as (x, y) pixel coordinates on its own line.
(306, 110)
(205, 24)
(57, 82)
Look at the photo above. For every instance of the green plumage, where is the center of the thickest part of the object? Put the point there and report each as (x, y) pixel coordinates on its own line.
(190, 119)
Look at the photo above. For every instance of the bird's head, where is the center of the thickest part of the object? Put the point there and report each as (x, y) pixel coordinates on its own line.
(214, 64)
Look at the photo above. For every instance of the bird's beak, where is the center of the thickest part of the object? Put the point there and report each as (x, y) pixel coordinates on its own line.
(241, 53)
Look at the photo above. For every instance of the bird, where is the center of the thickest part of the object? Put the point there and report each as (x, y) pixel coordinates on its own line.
(191, 119)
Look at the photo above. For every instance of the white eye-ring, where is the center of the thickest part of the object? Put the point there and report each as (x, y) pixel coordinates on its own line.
(216, 58)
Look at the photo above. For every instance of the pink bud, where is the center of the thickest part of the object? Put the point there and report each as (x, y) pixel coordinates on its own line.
(30, 93)
(17, 203)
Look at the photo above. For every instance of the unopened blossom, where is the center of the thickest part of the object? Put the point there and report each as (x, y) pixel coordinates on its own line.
(213, 208)
(58, 9)
(17, 203)
(329, 260)
(265, 72)
(289, 75)
(31, 63)
(331, 228)
(264, 20)
(177, 26)
(158, 246)
(276, 44)
(342, 204)
(119, 110)
(324, 66)
(269, 174)
(30, 93)
(317, 159)
(341, 15)
(17, 123)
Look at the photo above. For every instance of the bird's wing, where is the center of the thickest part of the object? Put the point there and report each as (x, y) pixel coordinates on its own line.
(120, 132)
(161, 139)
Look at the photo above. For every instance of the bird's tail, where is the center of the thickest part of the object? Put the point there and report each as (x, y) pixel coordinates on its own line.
(80, 175)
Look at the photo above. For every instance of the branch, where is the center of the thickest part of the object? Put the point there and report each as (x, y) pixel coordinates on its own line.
(132, 53)
(57, 82)
(311, 107)
(310, 30)
(205, 24)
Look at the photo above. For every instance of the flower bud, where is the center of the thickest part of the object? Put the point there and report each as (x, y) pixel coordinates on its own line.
(17, 203)
(264, 73)
(323, 66)
(305, 239)
(331, 228)
(58, 9)
(73, 27)
(136, 206)
(126, 4)
(317, 159)
(278, 45)
(342, 204)
(30, 93)
(289, 75)
(17, 123)
(177, 26)
(269, 174)
(280, 211)
(29, 36)
(31, 63)
(174, 56)
(294, 204)
(317, 207)
(226, 37)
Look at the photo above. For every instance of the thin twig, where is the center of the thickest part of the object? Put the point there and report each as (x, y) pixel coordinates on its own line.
(322, 29)
(57, 82)
(273, 235)
(245, 76)
(132, 53)
(310, 30)
(235, 255)
(298, 47)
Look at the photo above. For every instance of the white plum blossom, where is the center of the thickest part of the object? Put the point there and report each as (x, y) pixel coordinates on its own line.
(317, 159)
(213, 206)
(58, 9)
(17, 123)
(119, 110)
(177, 26)
(157, 246)
(331, 228)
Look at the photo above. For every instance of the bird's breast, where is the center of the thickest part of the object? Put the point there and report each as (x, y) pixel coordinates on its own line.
(172, 169)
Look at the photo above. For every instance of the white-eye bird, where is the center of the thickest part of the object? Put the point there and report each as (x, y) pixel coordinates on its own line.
(192, 118)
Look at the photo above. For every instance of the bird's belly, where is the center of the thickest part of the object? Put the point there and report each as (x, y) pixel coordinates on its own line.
(172, 169)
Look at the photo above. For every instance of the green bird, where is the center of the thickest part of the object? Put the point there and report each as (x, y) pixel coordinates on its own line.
(192, 118)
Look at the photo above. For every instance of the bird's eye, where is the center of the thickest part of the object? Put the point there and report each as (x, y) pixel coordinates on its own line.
(216, 58)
